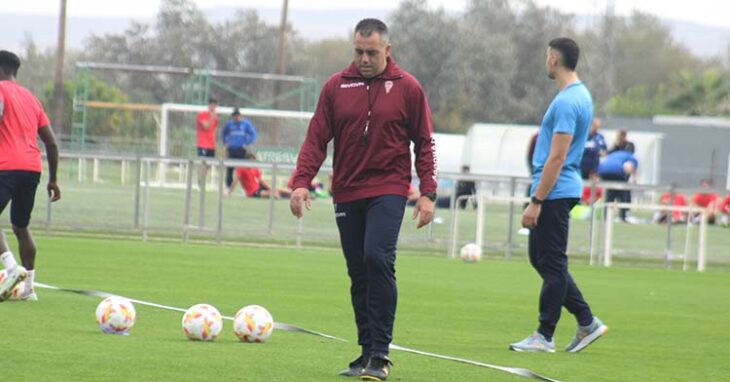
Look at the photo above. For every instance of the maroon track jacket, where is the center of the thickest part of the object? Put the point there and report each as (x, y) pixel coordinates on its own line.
(382, 166)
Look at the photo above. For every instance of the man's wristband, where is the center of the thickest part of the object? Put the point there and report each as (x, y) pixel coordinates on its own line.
(535, 200)
(431, 196)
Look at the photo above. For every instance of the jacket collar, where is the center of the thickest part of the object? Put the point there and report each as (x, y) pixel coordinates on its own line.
(392, 71)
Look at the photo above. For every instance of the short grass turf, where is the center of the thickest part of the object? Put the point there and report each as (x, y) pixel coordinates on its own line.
(664, 325)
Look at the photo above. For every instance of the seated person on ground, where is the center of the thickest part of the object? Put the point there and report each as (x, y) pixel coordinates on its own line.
(316, 188)
(680, 200)
(725, 211)
(254, 184)
(707, 200)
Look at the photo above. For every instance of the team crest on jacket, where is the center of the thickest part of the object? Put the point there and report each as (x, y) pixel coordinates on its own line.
(388, 86)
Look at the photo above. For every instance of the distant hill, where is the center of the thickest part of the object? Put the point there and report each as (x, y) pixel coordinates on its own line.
(704, 41)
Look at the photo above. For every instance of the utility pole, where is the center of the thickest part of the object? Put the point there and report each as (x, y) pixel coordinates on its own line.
(282, 38)
(58, 75)
(280, 52)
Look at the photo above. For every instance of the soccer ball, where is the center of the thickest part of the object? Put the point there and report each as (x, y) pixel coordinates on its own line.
(471, 253)
(202, 322)
(253, 323)
(115, 315)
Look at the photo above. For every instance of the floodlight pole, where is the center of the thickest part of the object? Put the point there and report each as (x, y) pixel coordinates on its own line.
(58, 75)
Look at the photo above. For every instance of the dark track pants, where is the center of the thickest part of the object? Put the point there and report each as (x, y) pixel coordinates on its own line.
(547, 247)
(233, 153)
(369, 231)
(622, 196)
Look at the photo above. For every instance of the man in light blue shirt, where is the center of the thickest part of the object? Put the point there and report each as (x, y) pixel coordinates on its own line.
(556, 188)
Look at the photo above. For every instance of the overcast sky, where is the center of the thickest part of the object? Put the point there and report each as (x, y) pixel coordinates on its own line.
(708, 12)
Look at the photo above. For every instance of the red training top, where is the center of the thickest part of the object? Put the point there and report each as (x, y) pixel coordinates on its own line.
(206, 138)
(704, 199)
(22, 116)
(382, 165)
(586, 198)
(680, 200)
(249, 178)
(725, 205)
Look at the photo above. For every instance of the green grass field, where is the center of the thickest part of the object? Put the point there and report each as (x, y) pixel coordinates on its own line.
(665, 325)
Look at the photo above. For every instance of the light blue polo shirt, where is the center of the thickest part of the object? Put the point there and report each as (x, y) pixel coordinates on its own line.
(571, 112)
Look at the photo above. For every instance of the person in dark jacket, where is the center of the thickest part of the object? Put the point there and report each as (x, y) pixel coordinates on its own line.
(622, 143)
(373, 110)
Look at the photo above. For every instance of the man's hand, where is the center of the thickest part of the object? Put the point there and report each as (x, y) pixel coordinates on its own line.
(424, 208)
(53, 191)
(299, 199)
(531, 215)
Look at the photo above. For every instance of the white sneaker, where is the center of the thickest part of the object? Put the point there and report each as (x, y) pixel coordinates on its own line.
(535, 342)
(586, 335)
(523, 231)
(23, 292)
(9, 279)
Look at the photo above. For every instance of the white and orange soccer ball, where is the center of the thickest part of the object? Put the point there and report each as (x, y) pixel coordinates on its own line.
(470, 253)
(253, 323)
(202, 322)
(115, 315)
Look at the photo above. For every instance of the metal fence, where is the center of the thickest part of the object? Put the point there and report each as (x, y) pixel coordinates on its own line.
(159, 198)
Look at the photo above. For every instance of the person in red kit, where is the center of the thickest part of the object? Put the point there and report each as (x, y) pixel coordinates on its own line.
(707, 200)
(725, 211)
(22, 120)
(254, 184)
(679, 200)
(206, 125)
(373, 110)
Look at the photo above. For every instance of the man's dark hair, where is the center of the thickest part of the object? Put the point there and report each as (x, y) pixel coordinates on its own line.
(213, 100)
(568, 50)
(367, 27)
(9, 63)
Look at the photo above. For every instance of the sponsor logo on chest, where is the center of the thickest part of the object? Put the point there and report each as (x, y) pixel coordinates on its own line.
(352, 85)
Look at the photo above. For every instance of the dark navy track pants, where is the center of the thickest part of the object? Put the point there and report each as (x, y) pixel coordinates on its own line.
(369, 231)
(548, 245)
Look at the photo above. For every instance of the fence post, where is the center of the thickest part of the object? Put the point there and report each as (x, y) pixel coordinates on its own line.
(701, 246)
(272, 200)
(685, 256)
(188, 198)
(592, 225)
(81, 168)
(137, 185)
(668, 246)
(96, 171)
(481, 201)
(219, 226)
(146, 213)
(201, 185)
(609, 235)
(511, 219)
(593, 232)
(124, 172)
(300, 231)
(452, 227)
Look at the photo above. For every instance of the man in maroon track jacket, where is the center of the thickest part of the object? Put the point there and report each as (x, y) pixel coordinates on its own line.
(373, 110)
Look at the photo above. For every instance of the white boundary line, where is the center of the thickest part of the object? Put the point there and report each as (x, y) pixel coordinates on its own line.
(293, 328)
